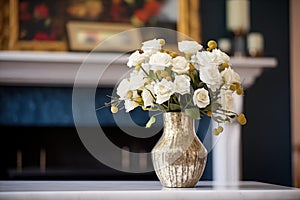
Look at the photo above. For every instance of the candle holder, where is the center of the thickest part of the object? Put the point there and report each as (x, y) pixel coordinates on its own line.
(239, 43)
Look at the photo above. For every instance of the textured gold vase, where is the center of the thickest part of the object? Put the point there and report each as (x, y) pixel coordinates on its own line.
(179, 157)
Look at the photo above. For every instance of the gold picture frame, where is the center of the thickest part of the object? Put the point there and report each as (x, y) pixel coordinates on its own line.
(189, 23)
(16, 44)
(189, 19)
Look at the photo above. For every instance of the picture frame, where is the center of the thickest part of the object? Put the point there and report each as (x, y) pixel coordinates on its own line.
(85, 36)
(188, 23)
(15, 43)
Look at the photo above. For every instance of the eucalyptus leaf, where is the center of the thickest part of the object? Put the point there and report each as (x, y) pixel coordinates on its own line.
(150, 122)
(152, 75)
(193, 113)
(175, 107)
(215, 106)
(168, 69)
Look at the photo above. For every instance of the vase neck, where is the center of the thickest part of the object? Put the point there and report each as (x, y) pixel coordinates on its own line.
(177, 123)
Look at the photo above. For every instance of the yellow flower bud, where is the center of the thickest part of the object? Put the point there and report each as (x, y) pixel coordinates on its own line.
(209, 113)
(168, 78)
(238, 85)
(164, 74)
(129, 94)
(192, 68)
(239, 91)
(220, 129)
(114, 109)
(242, 119)
(162, 41)
(215, 131)
(225, 65)
(212, 44)
(137, 68)
(232, 87)
(158, 72)
(138, 100)
(173, 54)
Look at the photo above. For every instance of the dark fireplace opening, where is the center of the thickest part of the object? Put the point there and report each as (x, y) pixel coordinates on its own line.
(57, 153)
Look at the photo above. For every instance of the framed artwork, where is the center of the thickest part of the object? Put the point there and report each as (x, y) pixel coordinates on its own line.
(85, 36)
(42, 24)
(36, 25)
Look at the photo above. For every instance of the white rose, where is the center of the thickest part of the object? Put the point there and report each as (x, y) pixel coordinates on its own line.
(163, 91)
(219, 57)
(182, 84)
(147, 95)
(159, 61)
(130, 105)
(180, 65)
(202, 59)
(152, 46)
(189, 47)
(230, 76)
(146, 68)
(211, 76)
(137, 80)
(123, 89)
(201, 98)
(135, 59)
(227, 101)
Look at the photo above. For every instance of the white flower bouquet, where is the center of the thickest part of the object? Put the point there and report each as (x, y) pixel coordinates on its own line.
(196, 81)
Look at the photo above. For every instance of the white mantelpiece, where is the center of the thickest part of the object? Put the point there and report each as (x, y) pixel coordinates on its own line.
(60, 68)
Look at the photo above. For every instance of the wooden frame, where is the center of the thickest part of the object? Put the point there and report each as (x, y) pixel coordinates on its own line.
(16, 44)
(188, 23)
(85, 36)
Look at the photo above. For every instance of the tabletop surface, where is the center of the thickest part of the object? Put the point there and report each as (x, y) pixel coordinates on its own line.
(142, 190)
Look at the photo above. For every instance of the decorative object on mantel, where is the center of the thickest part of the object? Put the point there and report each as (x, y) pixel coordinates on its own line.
(225, 45)
(238, 22)
(255, 44)
(184, 87)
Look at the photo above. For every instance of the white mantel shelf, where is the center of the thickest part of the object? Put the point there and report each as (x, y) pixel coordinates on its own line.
(60, 68)
(136, 190)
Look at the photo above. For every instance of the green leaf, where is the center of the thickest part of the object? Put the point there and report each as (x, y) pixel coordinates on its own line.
(168, 69)
(150, 122)
(174, 107)
(152, 75)
(193, 113)
(215, 106)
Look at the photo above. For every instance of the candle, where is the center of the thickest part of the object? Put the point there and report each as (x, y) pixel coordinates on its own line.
(225, 45)
(255, 44)
(238, 15)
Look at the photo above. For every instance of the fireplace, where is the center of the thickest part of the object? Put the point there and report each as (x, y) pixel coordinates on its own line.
(40, 141)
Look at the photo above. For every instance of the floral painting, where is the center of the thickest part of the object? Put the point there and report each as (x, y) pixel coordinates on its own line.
(44, 20)
(138, 12)
(40, 20)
